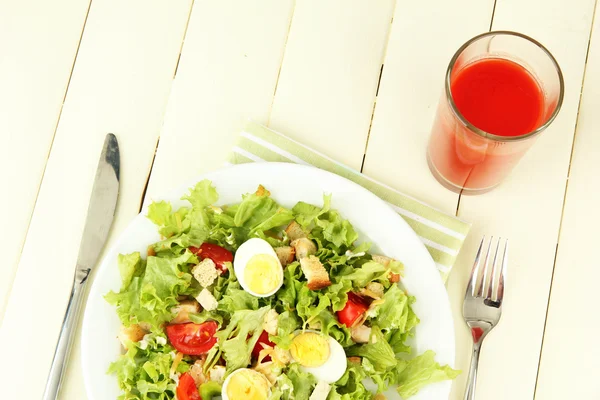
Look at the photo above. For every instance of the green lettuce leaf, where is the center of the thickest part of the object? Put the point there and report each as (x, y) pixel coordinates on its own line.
(237, 299)
(130, 266)
(423, 370)
(287, 324)
(396, 312)
(210, 389)
(366, 273)
(378, 351)
(239, 337)
(169, 223)
(350, 386)
(303, 383)
(143, 371)
(305, 213)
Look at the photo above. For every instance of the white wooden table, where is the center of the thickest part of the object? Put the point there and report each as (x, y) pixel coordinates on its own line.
(359, 81)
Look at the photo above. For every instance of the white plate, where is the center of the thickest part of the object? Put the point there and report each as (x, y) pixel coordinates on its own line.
(288, 183)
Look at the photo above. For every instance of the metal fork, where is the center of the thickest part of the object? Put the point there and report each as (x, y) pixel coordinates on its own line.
(482, 307)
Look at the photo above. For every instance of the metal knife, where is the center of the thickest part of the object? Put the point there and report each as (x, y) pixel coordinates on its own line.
(100, 215)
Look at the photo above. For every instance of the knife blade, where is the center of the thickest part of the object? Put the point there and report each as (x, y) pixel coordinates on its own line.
(100, 215)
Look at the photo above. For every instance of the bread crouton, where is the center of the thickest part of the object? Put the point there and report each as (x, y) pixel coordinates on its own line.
(294, 231)
(304, 247)
(315, 273)
(132, 333)
(205, 272)
(285, 254)
(207, 300)
(383, 260)
(361, 334)
(183, 311)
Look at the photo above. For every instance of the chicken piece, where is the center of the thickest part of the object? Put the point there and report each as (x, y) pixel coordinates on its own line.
(205, 272)
(321, 391)
(361, 334)
(183, 311)
(383, 260)
(303, 247)
(294, 231)
(281, 356)
(285, 254)
(217, 373)
(132, 333)
(373, 290)
(197, 373)
(270, 323)
(315, 273)
(207, 300)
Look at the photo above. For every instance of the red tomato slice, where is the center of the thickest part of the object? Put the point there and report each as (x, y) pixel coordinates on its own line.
(186, 389)
(263, 338)
(218, 254)
(193, 339)
(355, 307)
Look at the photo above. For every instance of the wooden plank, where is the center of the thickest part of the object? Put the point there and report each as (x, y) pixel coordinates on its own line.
(120, 84)
(527, 209)
(569, 366)
(220, 83)
(424, 37)
(330, 73)
(38, 43)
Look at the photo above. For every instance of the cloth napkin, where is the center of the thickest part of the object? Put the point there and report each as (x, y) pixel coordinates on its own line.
(442, 234)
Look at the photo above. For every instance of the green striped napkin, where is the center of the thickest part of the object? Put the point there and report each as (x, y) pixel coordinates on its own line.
(442, 234)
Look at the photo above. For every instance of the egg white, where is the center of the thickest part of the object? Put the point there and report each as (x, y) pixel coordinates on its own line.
(224, 395)
(335, 366)
(244, 253)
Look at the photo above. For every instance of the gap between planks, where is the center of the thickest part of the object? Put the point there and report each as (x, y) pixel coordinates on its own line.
(566, 190)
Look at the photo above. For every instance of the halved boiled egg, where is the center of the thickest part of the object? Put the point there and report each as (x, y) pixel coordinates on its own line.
(246, 384)
(319, 354)
(258, 268)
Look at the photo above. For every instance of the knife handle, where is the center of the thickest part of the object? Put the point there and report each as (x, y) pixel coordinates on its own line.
(65, 339)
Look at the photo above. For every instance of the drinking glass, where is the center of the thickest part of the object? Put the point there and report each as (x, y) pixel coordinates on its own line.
(463, 156)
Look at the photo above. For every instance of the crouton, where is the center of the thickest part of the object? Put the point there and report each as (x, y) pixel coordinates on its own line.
(183, 311)
(196, 372)
(285, 254)
(132, 333)
(383, 260)
(303, 247)
(373, 290)
(315, 273)
(217, 373)
(354, 360)
(321, 391)
(361, 334)
(294, 231)
(394, 278)
(270, 323)
(207, 300)
(205, 272)
(380, 396)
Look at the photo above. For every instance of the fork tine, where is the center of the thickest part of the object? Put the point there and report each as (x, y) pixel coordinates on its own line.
(485, 269)
(493, 274)
(500, 291)
(475, 271)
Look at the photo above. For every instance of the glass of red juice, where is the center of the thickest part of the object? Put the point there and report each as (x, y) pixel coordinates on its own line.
(502, 90)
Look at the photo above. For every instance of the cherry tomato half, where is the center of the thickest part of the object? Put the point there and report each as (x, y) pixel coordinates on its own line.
(355, 307)
(192, 339)
(186, 389)
(218, 254)
(263, 338)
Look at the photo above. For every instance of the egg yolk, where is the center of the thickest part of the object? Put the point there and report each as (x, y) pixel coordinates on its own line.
(310, 349)
(248, 385)
(263, 273)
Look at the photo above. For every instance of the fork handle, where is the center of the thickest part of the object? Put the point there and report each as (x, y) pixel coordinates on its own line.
(472, 382)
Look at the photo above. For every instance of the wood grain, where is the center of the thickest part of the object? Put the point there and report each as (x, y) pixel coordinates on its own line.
(120, 84)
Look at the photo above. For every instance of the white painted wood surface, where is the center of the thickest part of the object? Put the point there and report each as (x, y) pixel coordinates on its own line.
(310, 69)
